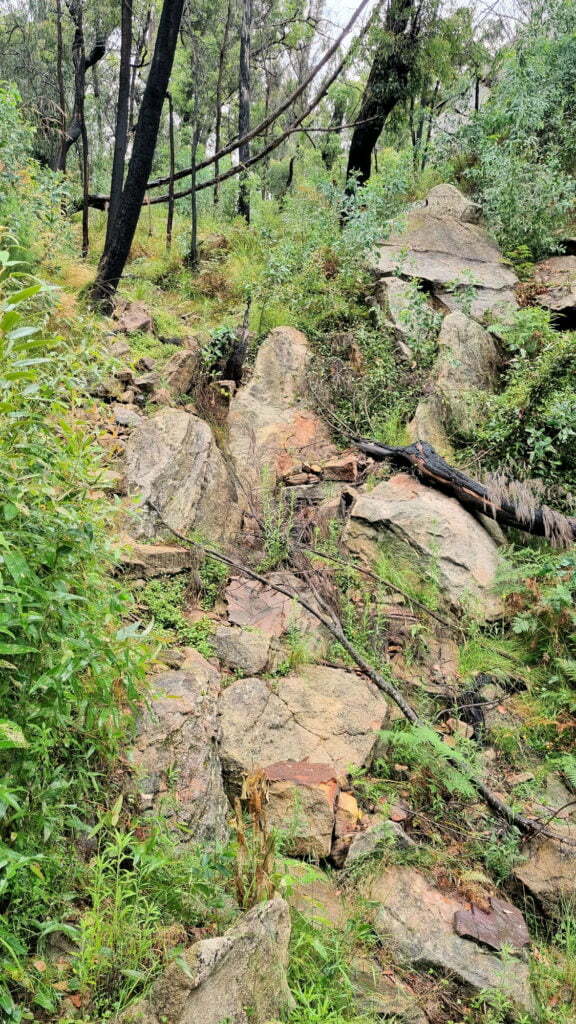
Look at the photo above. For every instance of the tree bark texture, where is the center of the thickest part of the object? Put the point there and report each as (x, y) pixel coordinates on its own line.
(386, 86)
(219, 84)
(121, 133)
(244, 107)
(82, 64)
(116, 252)
(170, 217)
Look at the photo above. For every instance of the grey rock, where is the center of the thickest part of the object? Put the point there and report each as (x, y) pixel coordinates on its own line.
(241, 649)
(384, 832)
(446, 200)
(175, 755)
(379, 994)
(151, 560)
(467, 363)
(415, 921)
(238, 977)
(126, 415)
(557, 278)
(172, 461)
(408, 517)
(323, 715)
(549, 871)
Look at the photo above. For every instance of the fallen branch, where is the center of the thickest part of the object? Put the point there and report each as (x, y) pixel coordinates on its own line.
(525, 825)
(432, 469)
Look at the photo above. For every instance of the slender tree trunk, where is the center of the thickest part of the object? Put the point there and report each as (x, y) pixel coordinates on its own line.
(329, 149)
(140, 54)
(74, 129)
(193, 257)
(386, 86)
(219, 84)
(170, 217)
(244, 107)
(60, 78)
(121, 133)
(117, 251)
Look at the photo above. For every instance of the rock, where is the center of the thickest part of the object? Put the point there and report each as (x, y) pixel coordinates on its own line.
(502, 926)
(172, 461)
(346, 824)
(415, 921)
(467, 362)
(258, 607)
(271, 428)
(238, 977)
(441, 250)
(395, 296)
(376, 993)
(382, 833)
(343, 468)
(240, 649)
(182, 370)
(448, 201)
(301, 803)
(427, 425)
(323, 715)
(119, 349)
(147, 382)
(132, 317)
(151, 560)
(176, 755)
(315, 894)
(126, 415)
(406, 515)
(549, 873)
(557, 278)
(145, 363)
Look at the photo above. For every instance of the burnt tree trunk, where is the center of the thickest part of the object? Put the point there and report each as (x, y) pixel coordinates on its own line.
(436, 472)
(170, 217)
(116, 252)
(82, 64)
(386, 86)
(219, 84)
(140, 54)
(60, 78)
(329, 150)
(244, 107)
(121, 133)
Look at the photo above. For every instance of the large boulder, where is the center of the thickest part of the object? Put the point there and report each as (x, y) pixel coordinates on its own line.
(240, 649)
(446, 200)
(239, 977)
(272, 428)
(175, 755)
(549, 872)
(323, 715)
(467, 362)
(449, 253)
(410, 518)
(416, 922)
(172, 462)
(557, 280)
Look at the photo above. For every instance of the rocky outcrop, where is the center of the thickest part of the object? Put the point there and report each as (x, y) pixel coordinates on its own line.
(467, 363)
(446, 200)
(151, 560)
(410, 518)
(241, 649)
(556, 278)
(382, 995)
(175, 757)
(416, 921)
(271, 426)
(322, 715)
(172, 462)
(549, 872)
(301, 801)
(271, 614)
(239, 977)
(436, 245)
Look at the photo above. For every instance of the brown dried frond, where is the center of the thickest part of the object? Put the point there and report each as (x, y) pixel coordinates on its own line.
(557, 528)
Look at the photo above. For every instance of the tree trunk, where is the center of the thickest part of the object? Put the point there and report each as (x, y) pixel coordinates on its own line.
(329, 150)
(219, 82)
(170, 217)
(244, 107)
(74, 130)
(121, 133)
(60, 78)
(193, 257)
(116, 252)
(386, 86)
(141, 51)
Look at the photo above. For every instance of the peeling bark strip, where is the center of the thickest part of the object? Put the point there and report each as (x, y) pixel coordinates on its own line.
(432, 469)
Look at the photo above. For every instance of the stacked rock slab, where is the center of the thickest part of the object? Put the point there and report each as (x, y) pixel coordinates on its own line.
(440, 243)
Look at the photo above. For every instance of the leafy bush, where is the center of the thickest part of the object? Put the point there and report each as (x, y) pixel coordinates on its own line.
(67, 664)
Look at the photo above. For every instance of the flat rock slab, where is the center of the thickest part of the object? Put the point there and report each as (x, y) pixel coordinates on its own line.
(441, 250)
(436, 527)
(549, 873)
(238, 977)
(503, 925)
(172, 462)
(322, 715)
(175, 756)
(272, 428)
(270, 613)
(151, 560)
(415, 922)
